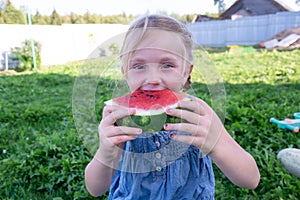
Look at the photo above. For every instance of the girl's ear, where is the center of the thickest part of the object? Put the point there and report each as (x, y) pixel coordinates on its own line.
(123, 70)
(187, 84)
(191, 69)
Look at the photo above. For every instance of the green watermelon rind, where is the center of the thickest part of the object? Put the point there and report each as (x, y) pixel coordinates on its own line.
(149, 120)
(150, 123)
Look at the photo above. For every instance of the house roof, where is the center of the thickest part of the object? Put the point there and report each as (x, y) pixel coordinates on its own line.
(256, 7)
(203, 18)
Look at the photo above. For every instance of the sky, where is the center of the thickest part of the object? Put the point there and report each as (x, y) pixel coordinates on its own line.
(135, 7)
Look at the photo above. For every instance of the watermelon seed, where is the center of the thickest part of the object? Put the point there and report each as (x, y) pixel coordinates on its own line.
(150, 95)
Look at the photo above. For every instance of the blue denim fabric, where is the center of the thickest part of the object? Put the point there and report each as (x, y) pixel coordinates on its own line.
(155, 167)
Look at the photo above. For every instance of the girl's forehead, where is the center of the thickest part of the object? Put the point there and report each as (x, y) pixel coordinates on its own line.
(167, 41)
(154, 54)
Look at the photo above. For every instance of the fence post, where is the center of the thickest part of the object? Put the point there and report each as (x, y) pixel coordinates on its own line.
(6, 60)
(31, 39)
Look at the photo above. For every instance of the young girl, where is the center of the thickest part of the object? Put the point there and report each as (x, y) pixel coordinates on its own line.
(174, 163)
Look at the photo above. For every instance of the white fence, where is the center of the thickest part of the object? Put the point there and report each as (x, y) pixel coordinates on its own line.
(243, 31)
(60, 44)
(65, 43)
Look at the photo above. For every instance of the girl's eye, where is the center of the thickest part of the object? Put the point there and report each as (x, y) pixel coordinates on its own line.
(138, 67)
(167, 66)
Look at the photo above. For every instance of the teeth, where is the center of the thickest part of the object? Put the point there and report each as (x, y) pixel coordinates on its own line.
(149, 87)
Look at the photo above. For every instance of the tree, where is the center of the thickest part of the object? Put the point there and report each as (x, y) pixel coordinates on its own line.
(88, 18)
(66, 19)
(55, 18)
(221, 5)
(11, 15)
(38, 19)
(1, 17)
(76, 19)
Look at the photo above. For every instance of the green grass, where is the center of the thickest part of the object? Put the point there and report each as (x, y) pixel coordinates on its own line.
(43, 157)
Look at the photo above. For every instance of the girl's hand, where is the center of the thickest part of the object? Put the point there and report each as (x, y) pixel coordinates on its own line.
(202, 123)
(112, 134)
(206, 131)
(112, 137)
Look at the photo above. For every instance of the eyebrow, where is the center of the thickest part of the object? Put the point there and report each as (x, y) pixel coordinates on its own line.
(169, 58)
(136, 60)
(163, 59)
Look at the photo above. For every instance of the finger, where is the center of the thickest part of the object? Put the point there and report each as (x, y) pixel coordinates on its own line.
(116, 114)
(187, 139)
(117, 135)
(184, 127)
(111, 109)
(189, 116)
(194, 106)
(123, 134)
(125, 130)
(112, 130)
(204, 143)
(116, 140)
(121, 139)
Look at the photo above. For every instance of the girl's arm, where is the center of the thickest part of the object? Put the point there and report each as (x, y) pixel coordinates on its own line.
(98, 177)
(208, 133)
(237, 164)
(99, 172)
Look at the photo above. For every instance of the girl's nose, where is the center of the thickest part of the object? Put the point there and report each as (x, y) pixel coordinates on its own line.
(153, 75)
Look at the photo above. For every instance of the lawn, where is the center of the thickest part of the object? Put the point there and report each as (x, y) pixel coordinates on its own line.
(49, 118)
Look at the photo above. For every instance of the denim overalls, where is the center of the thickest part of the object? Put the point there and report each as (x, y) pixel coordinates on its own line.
(155, 167)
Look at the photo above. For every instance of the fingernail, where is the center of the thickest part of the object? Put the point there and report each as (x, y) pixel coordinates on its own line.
(172, 135)
(139, 131)
(165, 126)
(169, 110)
(131, 111)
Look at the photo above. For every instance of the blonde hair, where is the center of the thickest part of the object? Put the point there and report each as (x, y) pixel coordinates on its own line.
(142, 25)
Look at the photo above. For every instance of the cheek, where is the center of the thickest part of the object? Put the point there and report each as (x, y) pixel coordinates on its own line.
(177, 76)
(178, 79)
(133, 81)
(174, 82)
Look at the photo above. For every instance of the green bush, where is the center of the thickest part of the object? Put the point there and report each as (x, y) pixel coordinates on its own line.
(24, 56)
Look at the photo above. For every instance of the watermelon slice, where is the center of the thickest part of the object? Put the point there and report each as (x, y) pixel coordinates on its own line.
(150, 108)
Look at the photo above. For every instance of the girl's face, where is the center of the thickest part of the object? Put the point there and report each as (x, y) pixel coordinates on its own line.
(156, 64)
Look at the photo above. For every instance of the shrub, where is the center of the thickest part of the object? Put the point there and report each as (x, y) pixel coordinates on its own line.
(24, 55)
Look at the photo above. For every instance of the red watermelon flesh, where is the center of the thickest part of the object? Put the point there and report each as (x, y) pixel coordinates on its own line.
(150, 108)
(148, 102)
